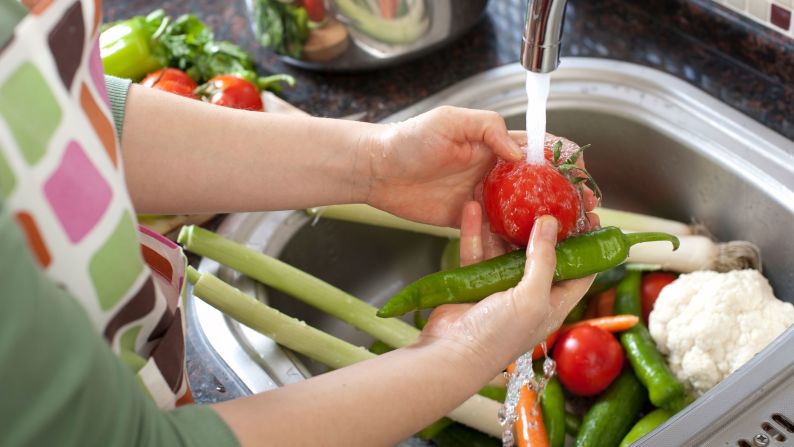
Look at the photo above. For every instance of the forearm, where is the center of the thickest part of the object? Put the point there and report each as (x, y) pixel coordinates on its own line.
(185, 156)
(377, 402)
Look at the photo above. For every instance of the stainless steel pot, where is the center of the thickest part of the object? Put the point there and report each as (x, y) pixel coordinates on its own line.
(385, 33)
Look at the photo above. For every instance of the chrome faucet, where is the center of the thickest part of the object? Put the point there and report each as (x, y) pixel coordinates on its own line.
(540, 49)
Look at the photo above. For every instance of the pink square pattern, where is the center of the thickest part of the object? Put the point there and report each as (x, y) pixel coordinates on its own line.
(97, 72)
(77, 193)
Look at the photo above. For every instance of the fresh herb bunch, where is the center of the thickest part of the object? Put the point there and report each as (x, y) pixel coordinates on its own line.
(281, 26)
(185, 43)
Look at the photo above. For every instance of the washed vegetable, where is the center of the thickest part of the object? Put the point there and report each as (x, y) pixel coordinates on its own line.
(649, 365)
(646, 425)
(538, 352)
(572, 423)
(366, 214)
(629, 221)
(450, 257)
(588, 360)
(516, 193)
(281, 26)
(477, 412)
(652, 285)
(699, 253)
(298, 284)
(603, 281)
(613, 323)
(315, 9)
(552, 404)
(529, 429)
(458, 435)
(171, 80)
(613, 413)
(135, 47)
(601, 305)
(708, 324)
(577, 257)
(234, 92)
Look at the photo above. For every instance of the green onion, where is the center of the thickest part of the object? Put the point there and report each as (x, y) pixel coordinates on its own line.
(298, 284)
(477, 412)
(372, 216)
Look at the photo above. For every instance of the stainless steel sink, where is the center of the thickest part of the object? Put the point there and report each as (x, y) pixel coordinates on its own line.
(658, 146)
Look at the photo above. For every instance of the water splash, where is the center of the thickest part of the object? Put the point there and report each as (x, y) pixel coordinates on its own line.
(537, 96)
(522, 376)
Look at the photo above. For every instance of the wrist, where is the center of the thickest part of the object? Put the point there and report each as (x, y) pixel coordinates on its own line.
(371, 154)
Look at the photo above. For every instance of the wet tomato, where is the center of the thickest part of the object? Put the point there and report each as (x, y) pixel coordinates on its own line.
(588, 360)
(234, 92)
(171, 80)
(516, 193)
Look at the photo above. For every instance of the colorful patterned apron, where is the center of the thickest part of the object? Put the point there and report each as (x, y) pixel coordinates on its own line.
(61, 176)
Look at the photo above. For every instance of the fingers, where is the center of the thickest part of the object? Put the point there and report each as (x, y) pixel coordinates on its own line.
(492, 245)
(593, 220)
(471, 244)
(492, 131)
(541, 257)
(565, 295)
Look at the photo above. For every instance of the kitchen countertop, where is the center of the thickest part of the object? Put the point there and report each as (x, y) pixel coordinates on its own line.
(739, 62)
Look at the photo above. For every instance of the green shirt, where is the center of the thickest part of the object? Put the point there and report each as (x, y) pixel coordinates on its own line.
(61, 385)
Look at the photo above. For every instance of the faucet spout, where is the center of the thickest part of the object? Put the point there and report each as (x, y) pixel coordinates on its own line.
(540, 49)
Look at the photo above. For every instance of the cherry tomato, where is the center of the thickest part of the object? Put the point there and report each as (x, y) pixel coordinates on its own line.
(517, 193)
(234, 92)
(588, 360)
(171, 80)
(315, 9)
(652, 285)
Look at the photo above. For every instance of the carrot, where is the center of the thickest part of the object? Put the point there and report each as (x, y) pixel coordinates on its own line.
(529, 429)
(601, 305)
(537, 353)
(614, 323)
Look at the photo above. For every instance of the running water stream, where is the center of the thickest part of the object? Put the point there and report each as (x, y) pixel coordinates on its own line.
(537, 94)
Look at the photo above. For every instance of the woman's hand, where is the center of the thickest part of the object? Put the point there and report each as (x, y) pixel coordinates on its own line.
(498, 329)
(427, 167)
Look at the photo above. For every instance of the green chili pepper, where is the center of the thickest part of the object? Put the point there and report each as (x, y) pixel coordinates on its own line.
(577, 257)
(552, 404)
(649, 365)
(646, 425)
(572, 423)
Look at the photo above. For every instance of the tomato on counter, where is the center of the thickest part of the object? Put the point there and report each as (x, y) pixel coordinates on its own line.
(171, 80)
(231, 91)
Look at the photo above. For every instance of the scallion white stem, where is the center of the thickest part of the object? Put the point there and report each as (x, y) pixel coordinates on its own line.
(640, 222)
(477, 412)
(697, 253)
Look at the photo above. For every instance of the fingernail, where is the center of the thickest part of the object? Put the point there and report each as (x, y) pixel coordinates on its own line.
(516, 149)
(546, 228)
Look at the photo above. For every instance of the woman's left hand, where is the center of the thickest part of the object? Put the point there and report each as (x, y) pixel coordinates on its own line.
(424, 169)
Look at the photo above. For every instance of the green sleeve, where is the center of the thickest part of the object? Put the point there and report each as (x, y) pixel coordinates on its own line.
(60, 383)
(118, 89)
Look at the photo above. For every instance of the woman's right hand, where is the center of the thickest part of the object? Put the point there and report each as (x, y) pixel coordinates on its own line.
(496, 330)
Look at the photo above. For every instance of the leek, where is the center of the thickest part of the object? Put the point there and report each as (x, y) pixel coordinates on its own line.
(477, 412)
(698, 253)
(372, 216)
(303, 286)
(298, 284)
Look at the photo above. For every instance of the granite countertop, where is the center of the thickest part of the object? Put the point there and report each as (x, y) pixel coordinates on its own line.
(733, 59)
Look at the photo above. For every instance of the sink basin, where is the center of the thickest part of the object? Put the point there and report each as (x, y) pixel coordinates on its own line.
(659, 146)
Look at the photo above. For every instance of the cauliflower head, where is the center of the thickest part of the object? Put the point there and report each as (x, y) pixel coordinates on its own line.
(708, 324)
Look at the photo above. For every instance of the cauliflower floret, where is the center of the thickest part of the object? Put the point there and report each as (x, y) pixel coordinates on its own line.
(708, 324)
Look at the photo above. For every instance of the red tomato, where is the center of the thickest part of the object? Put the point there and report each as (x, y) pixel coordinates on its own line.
(652, 285)
(315, 9)
(517, 193)
(234, 92)
(171, 80)
(588, 360)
